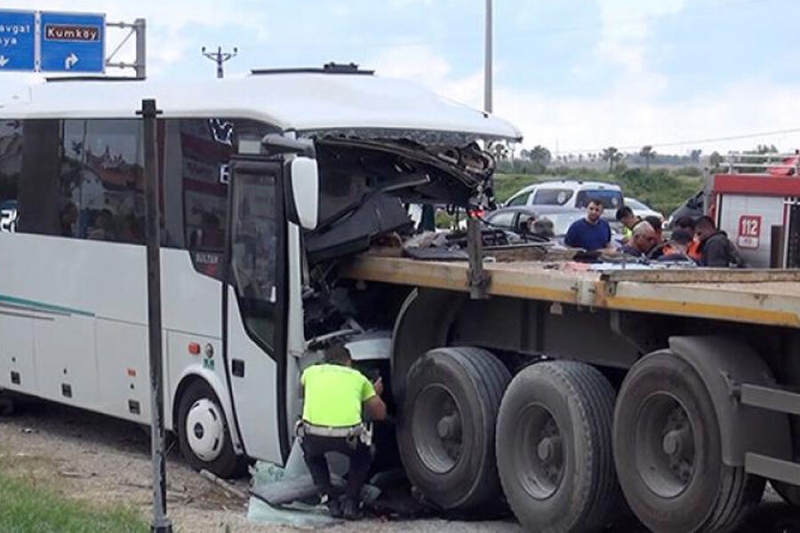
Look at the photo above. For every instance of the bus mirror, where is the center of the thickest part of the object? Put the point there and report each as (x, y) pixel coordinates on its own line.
(304, 187)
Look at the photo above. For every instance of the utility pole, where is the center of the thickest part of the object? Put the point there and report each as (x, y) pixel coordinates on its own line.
(219, 57)
(487, 73)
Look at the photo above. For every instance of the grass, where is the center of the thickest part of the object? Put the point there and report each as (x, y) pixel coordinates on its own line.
(26, 507)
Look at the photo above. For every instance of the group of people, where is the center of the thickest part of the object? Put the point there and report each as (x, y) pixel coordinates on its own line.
(692, 241)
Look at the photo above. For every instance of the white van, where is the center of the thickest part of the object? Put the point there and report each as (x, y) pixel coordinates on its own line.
(570, 194)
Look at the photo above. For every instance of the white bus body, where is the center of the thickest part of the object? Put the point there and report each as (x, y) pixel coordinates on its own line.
(73, 294)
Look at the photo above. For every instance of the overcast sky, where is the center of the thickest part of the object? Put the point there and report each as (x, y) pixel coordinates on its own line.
(573, 75)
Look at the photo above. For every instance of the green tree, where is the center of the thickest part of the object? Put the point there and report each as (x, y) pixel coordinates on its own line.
(647, 153)
(715, 159)
(540, 154)
(612, 156)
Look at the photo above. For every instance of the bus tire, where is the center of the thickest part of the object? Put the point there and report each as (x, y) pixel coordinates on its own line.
(203, 433)
(446, 429)
(667, 448)
(554, 448)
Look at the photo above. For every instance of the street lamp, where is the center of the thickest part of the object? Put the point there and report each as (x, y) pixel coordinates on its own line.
(219, 57)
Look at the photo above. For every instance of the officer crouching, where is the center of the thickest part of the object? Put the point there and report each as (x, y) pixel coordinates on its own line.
(334, 395)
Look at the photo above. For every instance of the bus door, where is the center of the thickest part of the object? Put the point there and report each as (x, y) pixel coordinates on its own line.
(255, 306)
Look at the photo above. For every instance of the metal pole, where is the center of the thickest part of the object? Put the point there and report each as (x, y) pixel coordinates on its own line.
(219, 62)
(141, 48)
(161, 524)
(487, 80)
(477, 278)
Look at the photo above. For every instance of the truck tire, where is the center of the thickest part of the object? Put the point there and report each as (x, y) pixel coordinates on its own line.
(203, 433)
(667, 448)
(554, 448)
(789, 493)
(446, 428)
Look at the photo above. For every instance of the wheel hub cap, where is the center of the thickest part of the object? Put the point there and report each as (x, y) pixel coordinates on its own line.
(437, 428)
(665, 451)
(205, 431)
(539, 451)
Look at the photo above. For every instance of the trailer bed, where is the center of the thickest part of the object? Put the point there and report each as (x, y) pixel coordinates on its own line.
(769, 297)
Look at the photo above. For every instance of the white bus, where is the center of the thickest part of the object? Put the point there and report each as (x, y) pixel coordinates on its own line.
(73, 285)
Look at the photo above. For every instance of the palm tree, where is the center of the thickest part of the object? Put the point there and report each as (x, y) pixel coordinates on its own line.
(540, 154)
(500, 151)
(647, 153)
(612, 155)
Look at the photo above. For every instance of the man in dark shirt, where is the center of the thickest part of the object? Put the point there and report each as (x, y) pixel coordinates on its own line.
(592, 232)
(716, 249)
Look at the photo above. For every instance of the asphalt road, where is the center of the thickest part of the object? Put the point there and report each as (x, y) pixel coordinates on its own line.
(107, 459)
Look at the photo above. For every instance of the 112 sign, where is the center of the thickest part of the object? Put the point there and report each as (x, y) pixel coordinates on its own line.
(749, 231)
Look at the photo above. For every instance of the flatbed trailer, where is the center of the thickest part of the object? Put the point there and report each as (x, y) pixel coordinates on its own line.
(758, 296)
(681, 385)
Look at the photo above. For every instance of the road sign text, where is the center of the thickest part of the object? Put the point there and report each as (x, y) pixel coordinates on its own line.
(63, 32)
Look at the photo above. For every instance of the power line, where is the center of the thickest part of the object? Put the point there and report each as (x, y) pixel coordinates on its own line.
(695, 141)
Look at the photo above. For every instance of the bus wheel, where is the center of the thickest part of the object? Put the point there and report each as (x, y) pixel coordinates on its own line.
(203, 434)
(446, 430)
(554, 448)
(667, 448)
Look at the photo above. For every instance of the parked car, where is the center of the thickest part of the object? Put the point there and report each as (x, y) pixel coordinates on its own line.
(516, 218)
(569, 194)
(641, 210)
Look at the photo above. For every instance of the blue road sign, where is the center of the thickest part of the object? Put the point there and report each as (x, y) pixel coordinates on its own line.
(72, 42)
(17, 40)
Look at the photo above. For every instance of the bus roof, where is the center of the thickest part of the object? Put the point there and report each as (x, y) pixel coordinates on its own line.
(299, 101)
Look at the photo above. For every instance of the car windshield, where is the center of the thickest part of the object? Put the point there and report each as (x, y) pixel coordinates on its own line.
(610, 198)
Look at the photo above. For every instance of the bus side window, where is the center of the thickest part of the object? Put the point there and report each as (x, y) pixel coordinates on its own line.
(10, 168)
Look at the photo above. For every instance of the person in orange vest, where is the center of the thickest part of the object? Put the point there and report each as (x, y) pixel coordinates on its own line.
(693, 248)
(334, 396)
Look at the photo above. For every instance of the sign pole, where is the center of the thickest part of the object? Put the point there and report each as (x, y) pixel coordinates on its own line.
(161, 523)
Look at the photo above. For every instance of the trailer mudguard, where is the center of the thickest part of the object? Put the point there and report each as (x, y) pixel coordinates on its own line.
(723, 364)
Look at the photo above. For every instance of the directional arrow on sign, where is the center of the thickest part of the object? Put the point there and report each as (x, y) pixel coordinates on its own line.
(3, 61)
(70, 61)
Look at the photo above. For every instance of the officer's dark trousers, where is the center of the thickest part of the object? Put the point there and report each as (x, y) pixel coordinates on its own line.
(314, 450)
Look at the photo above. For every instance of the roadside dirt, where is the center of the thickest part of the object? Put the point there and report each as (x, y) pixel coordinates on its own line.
(101, 460)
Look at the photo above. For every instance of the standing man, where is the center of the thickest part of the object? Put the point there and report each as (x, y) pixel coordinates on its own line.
(628, 220)
(592, 232)
(334, 395)
(716, 249)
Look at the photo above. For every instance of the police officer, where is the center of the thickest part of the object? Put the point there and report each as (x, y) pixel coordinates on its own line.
(334, 395)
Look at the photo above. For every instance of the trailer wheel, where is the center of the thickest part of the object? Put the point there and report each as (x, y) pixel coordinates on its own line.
(446, 430)
(554, 448)
(667, 448)
(203, 434)
(789, 493)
